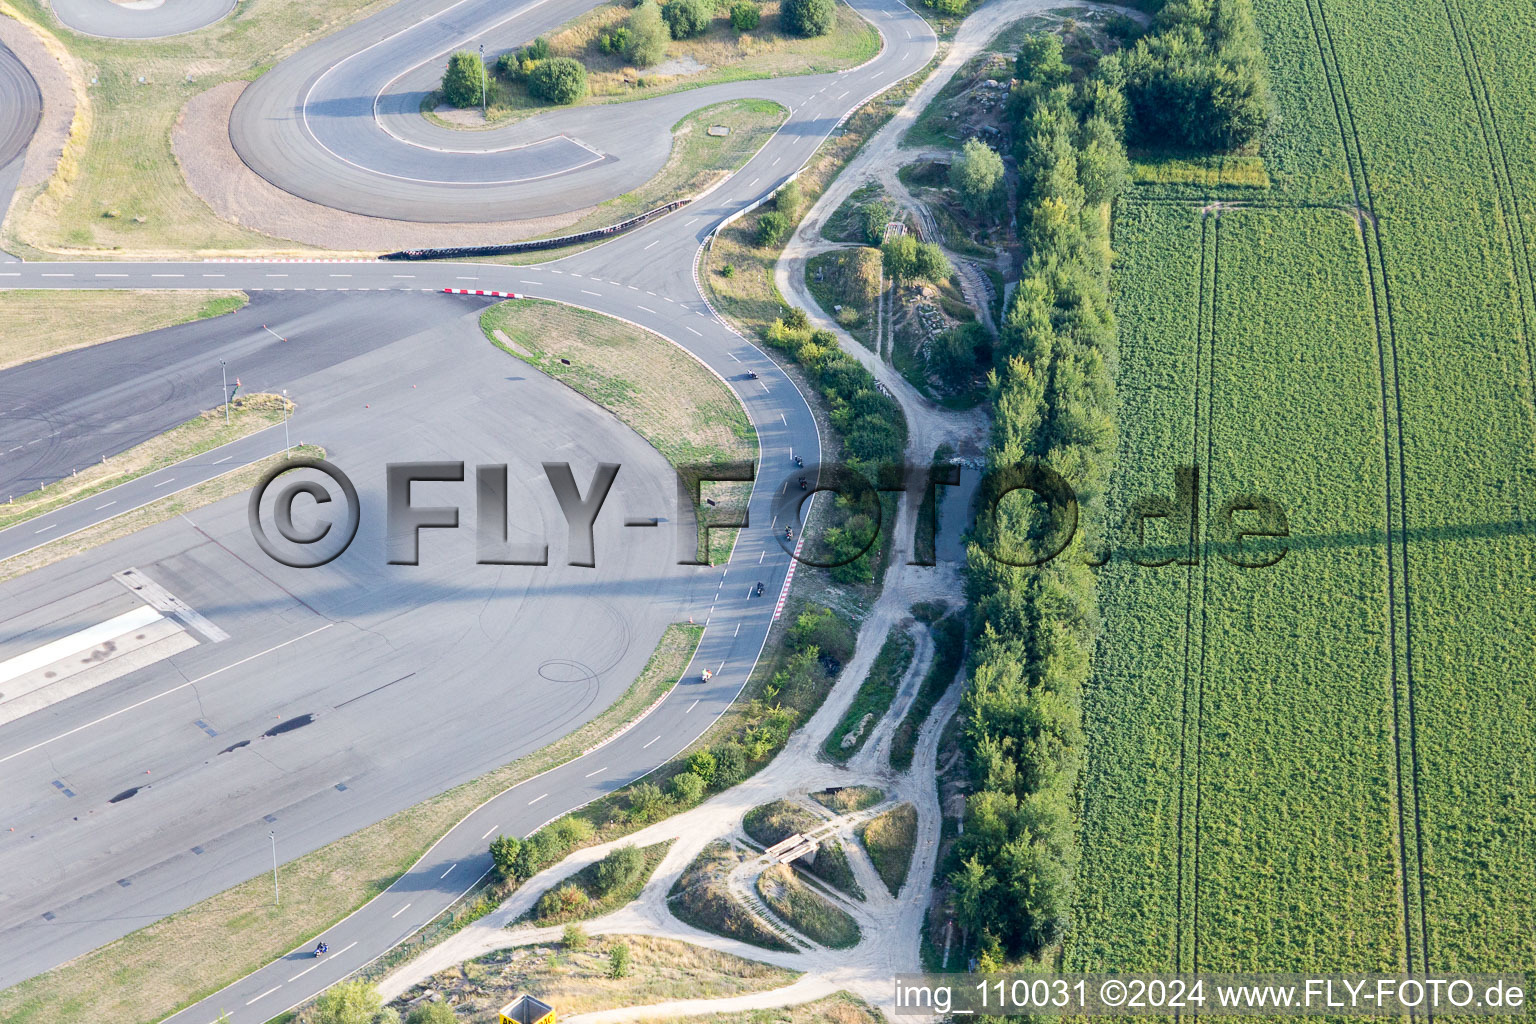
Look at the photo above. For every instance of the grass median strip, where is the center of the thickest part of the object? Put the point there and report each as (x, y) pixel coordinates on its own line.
(151, 973)
(875, 695)
(202, 433)
(35, 323)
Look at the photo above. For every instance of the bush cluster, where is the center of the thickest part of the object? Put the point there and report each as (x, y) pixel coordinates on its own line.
(1033, 629)
(464, 81)
(807, 17)
(558, 80)
(1198, 81)
(687, 18)
(745, 15)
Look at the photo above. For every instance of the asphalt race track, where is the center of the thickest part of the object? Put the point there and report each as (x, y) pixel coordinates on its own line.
(19, 116)
(140, 19)
(406, 670)
(339, 124)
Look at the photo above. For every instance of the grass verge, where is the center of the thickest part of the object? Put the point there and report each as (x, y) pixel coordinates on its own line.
(804, 910)
(577, 981)
(874, 697)
(149, 974)
(847, 799)
(35, 323)
(701, 897)
(889, 840)
(205, 431)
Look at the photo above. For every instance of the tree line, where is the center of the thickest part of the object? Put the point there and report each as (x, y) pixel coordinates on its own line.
(1033, 629)
(1198, 80)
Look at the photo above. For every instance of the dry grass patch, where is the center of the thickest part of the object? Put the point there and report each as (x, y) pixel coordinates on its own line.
(702, 897)
(149, 974)
(847, 799)
(890, 839)
(204, 432)
(38, 323)
(805, 910)
(576, 981)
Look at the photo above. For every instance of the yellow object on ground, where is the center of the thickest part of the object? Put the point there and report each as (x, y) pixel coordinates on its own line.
(527, 1010)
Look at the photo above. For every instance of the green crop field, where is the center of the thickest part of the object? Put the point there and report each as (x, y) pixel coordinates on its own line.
(1326, 763)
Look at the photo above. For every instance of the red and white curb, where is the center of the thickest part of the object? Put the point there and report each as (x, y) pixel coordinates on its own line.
(284, 259)
(477, 291)
(778, 609)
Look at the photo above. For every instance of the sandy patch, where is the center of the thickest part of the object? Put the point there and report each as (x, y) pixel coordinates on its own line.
(684, 65)
(215, 172)
(58, 102)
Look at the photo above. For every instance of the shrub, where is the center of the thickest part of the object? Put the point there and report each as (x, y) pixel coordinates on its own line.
(349, 1002)
(976, 174)
(932, 264)
(729, 270)
(686, 18)
(807, 17)
(702, 764)
(648, 35)
(558, 80)
(504, 851)
(564, 901)
(772, 229)
(797, 319)
(645, 801)
(574, 937)
(688, 788)
(618, 961)
(876, 216)
(616, 42)
(464, 81)
(431, 1013)
(620, 868)
(823, 629)
(730, 764)
(950, 7)
(745, 16)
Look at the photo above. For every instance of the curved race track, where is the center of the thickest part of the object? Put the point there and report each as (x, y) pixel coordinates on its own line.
(339, 123)
(140, 19)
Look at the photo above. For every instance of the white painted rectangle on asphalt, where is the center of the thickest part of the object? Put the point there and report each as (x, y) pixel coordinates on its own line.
(488, 834)
(537, 799)
(652, 741)
(76, 643)
(400, 911)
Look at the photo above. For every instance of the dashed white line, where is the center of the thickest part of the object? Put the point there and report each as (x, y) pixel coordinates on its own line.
(340, 275)
(598, 772)
(586, 292)
(536, 799)
(107, 505)
(488, 834)
(652, 741)
(163, 483)
(400, 911)
(445, 873)
(692, 331)
(46, 528)
(733, 356)
(646, 309)
(277, 275)
(466, 279)
(264, 995)
(407, 277)
(691, 706)
(58, 275)
(213, 275)
(224, 459)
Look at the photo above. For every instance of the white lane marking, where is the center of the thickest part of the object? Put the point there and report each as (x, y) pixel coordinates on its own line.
(163, 483)
(733, 356)
(445, 873)
(16, 273)
(738, 630)
(306, 970)
(277, 275)
(783, 420)
(400, 911)
(598, 772)
(652, 741)
(466, 279)
(213, 275)
(691, 706)
(632, 288)
(166, 693)
(45, 529)
(339, 275)
(646, 309)
(488, 834)
(776, 161)
(536, 799)
(695, 333)
(264, 995)
(521, 281)
(58, 275)
(107, 505)
(669, 299)
(586, 292)
(760, 555)
(404, 276)
(224, 459)
(649, 292)
(553, 271)
(754, 181)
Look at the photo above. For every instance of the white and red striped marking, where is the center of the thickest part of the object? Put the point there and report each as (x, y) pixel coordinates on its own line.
(290, 259)
(478, 291)
(778, 609)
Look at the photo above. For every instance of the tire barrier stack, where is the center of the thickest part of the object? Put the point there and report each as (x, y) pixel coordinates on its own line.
(535, 244)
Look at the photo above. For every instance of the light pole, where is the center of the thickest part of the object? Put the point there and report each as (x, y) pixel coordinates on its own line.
(483, 77)
(287, 447)
(273, 836)
(224, 371)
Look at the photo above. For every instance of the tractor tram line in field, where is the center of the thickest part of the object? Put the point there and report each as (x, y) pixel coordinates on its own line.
(1399, 620)
(1505, 191)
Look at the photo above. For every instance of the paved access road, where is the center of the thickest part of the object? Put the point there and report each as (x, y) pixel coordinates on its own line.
(140, 19)
(339, 122)
(20, 114)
